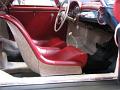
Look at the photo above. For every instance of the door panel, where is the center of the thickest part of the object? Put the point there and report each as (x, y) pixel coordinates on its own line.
(38, 20)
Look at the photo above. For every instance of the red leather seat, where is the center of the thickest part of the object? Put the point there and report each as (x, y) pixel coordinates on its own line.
(54, 42)
(55, 60)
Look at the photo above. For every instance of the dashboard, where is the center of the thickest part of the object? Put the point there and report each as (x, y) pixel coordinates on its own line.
(92, 15)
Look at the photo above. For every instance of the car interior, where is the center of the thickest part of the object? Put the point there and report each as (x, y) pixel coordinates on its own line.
(68, 41)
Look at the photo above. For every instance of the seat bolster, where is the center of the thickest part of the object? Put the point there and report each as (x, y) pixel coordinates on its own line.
(48, 51)
(39, 42)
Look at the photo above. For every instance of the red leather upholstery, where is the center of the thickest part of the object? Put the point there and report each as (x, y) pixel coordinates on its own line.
(68, 53)
(54, 42)
(117, 10)
(68, 56)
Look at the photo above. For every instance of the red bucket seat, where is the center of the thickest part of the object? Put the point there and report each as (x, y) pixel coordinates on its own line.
(45, 60)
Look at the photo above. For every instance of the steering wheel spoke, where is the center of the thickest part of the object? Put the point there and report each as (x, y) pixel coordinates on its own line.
(61, 16)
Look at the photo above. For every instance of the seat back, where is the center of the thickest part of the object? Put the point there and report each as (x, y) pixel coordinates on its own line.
(26, 46)
(27, 53)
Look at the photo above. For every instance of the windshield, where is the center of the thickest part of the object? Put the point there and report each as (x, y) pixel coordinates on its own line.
(109, 3)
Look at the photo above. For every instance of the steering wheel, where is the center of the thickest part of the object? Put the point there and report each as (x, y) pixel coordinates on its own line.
(62, 15)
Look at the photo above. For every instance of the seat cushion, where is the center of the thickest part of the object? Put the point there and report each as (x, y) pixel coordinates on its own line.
(69, 53)
(48, 51)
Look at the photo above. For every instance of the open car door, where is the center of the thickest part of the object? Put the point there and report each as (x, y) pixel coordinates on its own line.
(38, 17)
